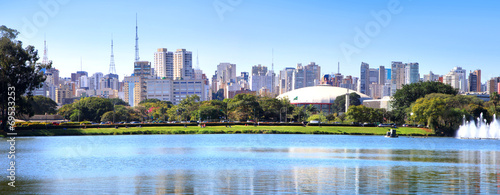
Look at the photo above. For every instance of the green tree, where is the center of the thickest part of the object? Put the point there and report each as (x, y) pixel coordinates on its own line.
(188, 107)
(19, 73)
(121, 113)
(339, 103)
(494, 99)
(118, 101)
(408, 94)
(362, 113)
(219, 95)
(66, 111)
(243, 107)
(318, 117)
(92, 108)
(42, 105)
(156, 109)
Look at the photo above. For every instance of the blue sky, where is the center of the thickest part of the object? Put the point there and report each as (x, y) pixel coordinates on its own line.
(437, 34)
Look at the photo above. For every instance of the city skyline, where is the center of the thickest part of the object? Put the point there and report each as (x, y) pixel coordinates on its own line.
(245, 33)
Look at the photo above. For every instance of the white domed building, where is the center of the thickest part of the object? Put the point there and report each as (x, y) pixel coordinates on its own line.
(322, 96)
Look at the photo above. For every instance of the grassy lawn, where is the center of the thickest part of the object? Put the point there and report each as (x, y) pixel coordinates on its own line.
(348, 130)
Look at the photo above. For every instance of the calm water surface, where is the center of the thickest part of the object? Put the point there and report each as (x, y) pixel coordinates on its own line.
(259, 164)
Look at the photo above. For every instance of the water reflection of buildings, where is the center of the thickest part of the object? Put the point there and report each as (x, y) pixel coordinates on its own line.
(351, 171)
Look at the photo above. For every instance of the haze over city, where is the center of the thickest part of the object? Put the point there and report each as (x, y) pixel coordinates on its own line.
(437, 35)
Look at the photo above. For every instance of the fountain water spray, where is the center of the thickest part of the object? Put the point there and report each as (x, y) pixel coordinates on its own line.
(480, 130)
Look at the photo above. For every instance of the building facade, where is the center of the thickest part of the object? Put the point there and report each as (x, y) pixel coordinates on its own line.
(183, 65)
(164, 63)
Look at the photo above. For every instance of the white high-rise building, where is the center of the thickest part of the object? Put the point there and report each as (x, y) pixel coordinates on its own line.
(262, 79)
(226, 73)
(462, 79)
(431, 77)
(84, 82)
(403, 74)
(286, 80)
(412, 73)
(183, 65)
(164, 63)
(95, 80)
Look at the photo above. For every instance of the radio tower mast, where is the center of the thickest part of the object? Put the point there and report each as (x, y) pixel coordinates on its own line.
(338, 68)
(197, 61)
(272, 60)
(136, 41)
(45, 60)
(112, 69)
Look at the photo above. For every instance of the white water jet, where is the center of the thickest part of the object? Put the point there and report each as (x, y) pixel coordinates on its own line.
(480, 130)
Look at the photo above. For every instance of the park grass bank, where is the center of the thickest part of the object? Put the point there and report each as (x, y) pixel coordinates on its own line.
(238, 129)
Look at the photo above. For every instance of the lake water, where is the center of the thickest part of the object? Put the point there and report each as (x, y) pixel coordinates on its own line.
(252, 164)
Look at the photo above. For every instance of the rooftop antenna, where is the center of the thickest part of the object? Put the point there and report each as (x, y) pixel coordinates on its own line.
(338, 68)
(136, 40)
(45, 60)
(112, 69)
(81, 67)
(197, 61)
(272, 60)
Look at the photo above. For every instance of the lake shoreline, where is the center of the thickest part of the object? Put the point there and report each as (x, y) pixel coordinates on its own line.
(238, 129)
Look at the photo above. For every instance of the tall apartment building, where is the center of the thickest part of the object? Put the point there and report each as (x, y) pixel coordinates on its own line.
(63, 91)
(373, 78)
(84, 82)
(306, 76)
(95, 80)
(142, 68)
(183, 65)
(403, 74)
(261, 78)
(475, 81)
(381, 75)
(135, 89)
(388, 76)
(226, 73)
(412, 74)
(109, 81)
(164, 63)
(364, 78)
(462, 77)
(259, 70)
(286, 80)
(431, 77)
(77, 75)
(492, 85)
(349, 82)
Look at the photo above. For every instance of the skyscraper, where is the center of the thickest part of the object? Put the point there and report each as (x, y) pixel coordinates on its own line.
(226, 73)
(164, 63)
(286, 80)
(259, 70)
(306, 76)
(462, 78)
(381, 75)
(183, 64)
(475, 81)
(411, 73)
(261, 78)
(364, 79)
(397, 76)
(142, 68)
